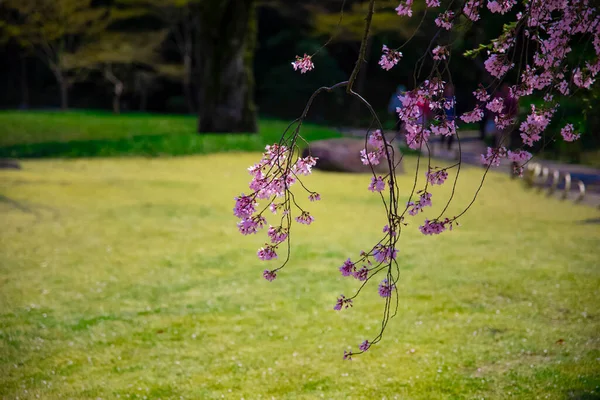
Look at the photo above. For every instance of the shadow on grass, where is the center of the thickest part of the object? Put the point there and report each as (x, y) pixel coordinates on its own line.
(143, 145)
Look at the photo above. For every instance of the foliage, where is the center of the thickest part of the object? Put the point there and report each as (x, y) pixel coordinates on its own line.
(124, 278)
(52, 29)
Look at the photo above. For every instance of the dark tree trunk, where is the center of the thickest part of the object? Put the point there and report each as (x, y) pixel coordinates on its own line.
(225, 49)
(24, 84)
(64, 94)
(63, 86)
(117, 98)
(187, 82)
(143, 99)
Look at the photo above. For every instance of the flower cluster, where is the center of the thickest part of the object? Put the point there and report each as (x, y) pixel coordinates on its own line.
(501, 6)
(304, 64)
(405, 8)
(373, 157)
(416, 207)
(535, 124)
(471, 9)
(440, 53)
(389, 58)
(568, 133)
(444, 20)
(386, 288)
(437, 177)
(377, 184)
(342, 302)
(384, 254)
(436, 227)
(493, 156)
(497, 65)
(272, 176)
(475, 115)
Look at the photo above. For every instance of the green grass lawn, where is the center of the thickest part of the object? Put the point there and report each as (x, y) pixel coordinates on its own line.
(126, 278)
(91, 134)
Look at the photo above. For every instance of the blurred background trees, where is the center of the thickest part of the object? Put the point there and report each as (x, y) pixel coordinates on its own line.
(227, 60)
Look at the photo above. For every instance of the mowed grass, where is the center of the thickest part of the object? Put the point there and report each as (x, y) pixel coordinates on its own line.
(127, 278)
(36, 134)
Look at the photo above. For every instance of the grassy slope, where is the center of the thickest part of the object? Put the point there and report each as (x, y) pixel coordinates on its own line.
(91, 134)
(128, 278)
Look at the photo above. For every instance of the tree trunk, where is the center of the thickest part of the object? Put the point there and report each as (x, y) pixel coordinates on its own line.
(24, 85)
(225, 49)
(117, 97)
(64, 90)
(143, 99)
(187, 81)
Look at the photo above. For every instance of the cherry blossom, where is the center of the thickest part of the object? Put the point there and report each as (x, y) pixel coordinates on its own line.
(386, 288)
(493, 156)
(444, 20)
(267, 253)
(364, 346)
(304, 64)
(568, 133)
(437, 177)
(342, 302)
(475, 115)
(405, 8)
(440, 53)
(377, 184)
(347, 269)
(269, 275)
(389, 58)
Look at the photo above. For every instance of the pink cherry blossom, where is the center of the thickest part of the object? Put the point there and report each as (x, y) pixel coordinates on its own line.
(501, 6)
(416, 135)
(437, 177)
(475, 115)
(362, 274)
(278, 234)
(496, 105)
(569, 134)
(251, 225)
(347, 269)
(519, 156)
(405, 8)
(245, 206)
(389, 58)
(440, 53)
(444, 20)
(371, 158)
(377, 184)
(269, 275)
(342, 302)
(364, 346)
(267, 253)
(436, 227)
(386, 288)
(497, 66)
(493, 156)
(384, 254)
(305, 218)
(304, 64)
(535, 124)
(471, 9)
(376, 139)
(481, 94)
(304, 165)
(314, 197)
